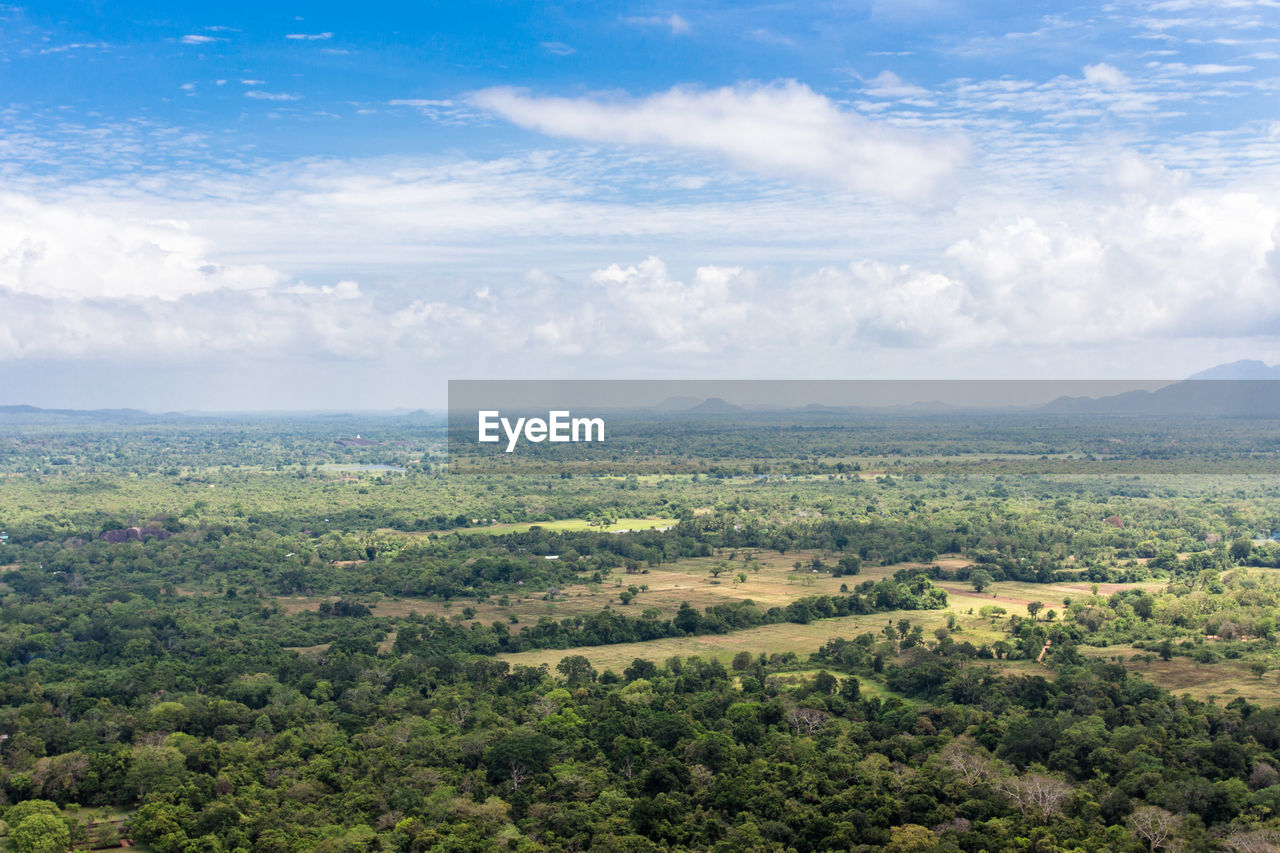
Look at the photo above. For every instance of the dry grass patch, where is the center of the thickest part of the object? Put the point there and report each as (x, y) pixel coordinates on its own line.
(1224, 679)
(776, 584)
(622, 525)
(291, 604)
(768, 639)
(310, 651)
(1016, 595)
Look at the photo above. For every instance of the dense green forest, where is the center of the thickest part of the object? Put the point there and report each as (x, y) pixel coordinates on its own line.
(922, 633)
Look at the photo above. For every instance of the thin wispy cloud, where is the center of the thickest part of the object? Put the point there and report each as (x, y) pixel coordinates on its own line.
(784, 128)
(676, 24)
(1214, 68)
(258, 94)
(766, 36)
(309, 36)
(196, 38)
(64, 48)
(886, 84)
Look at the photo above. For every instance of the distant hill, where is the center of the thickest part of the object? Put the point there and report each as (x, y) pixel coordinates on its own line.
(1244, 388)
(677, 404)
(88, 414)
(1243, 369)
(715, 406)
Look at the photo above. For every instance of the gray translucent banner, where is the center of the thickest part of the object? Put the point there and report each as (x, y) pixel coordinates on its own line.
(508, 425)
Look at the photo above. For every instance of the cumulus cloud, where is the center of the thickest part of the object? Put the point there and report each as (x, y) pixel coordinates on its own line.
(64, 252)
(76, 284)
(780, 129)
(1106, 75)
(644, 303)
(1155, 262)
(1195, 267)
(198, 328)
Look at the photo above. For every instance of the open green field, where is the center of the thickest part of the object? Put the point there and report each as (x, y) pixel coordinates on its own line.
(1224, 679)
(773, 580)
(773, 639)
(776, 582)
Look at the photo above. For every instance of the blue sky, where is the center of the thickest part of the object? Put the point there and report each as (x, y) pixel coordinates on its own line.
(342, 205)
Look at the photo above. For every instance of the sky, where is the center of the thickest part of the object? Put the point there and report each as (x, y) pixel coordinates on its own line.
(342, 206)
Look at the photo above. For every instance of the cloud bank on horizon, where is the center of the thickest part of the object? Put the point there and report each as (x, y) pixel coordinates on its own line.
(886, 190)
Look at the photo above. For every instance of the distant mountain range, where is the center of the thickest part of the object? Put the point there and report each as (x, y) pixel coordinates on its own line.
(90, 414)
(1241, 388)
(1244, 369)
(140, 416)
(1245, 388)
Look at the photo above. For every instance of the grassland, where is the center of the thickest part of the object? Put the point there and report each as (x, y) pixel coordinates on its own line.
(776, 582)
(773, 579)
(622, 525)
(1224, 679)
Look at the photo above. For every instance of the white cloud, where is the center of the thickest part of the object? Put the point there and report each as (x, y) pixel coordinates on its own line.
(781, 129)
(558, 48)
(1199, 265)
(82, 279)
(1194, 268)
(63, 48)
(64, 252)
(76, 284)
(642, 306)
(1211, 68)
(260, 95)
(886, 84)
(443, 110)
(1213, 5)
(677, 24)
(422, 103)
(765, 36)
(198, 39)
(309, 36)
(253, 82)
(1107, 76)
